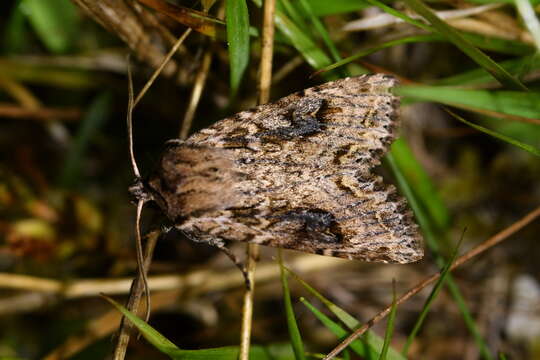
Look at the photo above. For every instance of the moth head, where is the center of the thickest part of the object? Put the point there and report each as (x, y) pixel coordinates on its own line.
(190, 181)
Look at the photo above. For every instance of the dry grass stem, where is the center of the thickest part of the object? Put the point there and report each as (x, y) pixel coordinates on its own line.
(196, 91)
(195, 282)
(161, 66)
(264, 85)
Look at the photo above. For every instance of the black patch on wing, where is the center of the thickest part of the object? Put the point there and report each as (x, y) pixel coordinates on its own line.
(314, 224)
(303, 121)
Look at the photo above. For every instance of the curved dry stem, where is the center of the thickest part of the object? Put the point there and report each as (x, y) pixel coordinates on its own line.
(196, 92)
(161, 66)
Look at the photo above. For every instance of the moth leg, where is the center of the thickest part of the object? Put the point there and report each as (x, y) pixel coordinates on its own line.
(221, 246)
(174, 142)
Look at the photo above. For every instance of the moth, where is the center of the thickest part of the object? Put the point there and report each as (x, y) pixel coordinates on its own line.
(294, 174)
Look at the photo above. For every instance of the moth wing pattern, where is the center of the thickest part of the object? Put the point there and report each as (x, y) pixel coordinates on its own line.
(297, 174)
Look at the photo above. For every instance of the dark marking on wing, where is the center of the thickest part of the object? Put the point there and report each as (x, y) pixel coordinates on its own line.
(314, 224)
(304, 121)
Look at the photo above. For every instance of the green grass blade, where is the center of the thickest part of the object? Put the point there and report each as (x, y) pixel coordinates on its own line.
(325, 7)
(300, 40)
(372, 341)
(431, 239)
(390, 324)
(164, 345)
(362, 53)
(237, 19)
(480, 76)
(523, 132)
(342, 315)
(455, 37)
(513, 103)
(531, 149)
(358, 346)
(368, 346)
(303, 43)
(97, 114)
(159, 341)
(294, 332)
(503, 46)
(308, 9)
(56, 22)
(17, 36)
(429, 301)
(421, 183)
(293, 13)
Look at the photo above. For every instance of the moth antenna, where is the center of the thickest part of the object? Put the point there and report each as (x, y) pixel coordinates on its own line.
(141, 201)
(130, 122)
(140, 260)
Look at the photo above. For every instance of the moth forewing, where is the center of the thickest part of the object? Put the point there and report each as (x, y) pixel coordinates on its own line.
(296, 174)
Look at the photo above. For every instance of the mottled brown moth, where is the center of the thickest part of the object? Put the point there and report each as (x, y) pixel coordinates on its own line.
(295, 174)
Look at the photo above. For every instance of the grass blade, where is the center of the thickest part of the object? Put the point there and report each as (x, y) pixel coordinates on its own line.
(480, 76)
(531, 149)
(360, 54)
(432, 241)
(237, 18)
(325, 7)
(294, 332)
(321, 30)
(358, 346)
(455, 37)
(503, 46)
(302, 42)
(515, 104)
(421, 183)
(429, 301)
(371, 342)
(149, 333)
(390, 325)
(56, 22)
(164, 345)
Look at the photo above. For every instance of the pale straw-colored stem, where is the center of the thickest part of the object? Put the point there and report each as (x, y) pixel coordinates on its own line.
(264, 84)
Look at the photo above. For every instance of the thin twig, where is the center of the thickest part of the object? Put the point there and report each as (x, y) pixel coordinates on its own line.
(197, 282)
(267, 50)
(489, 243)
(252, 252)
(265, 81)
(164, 62)
(198, 86)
